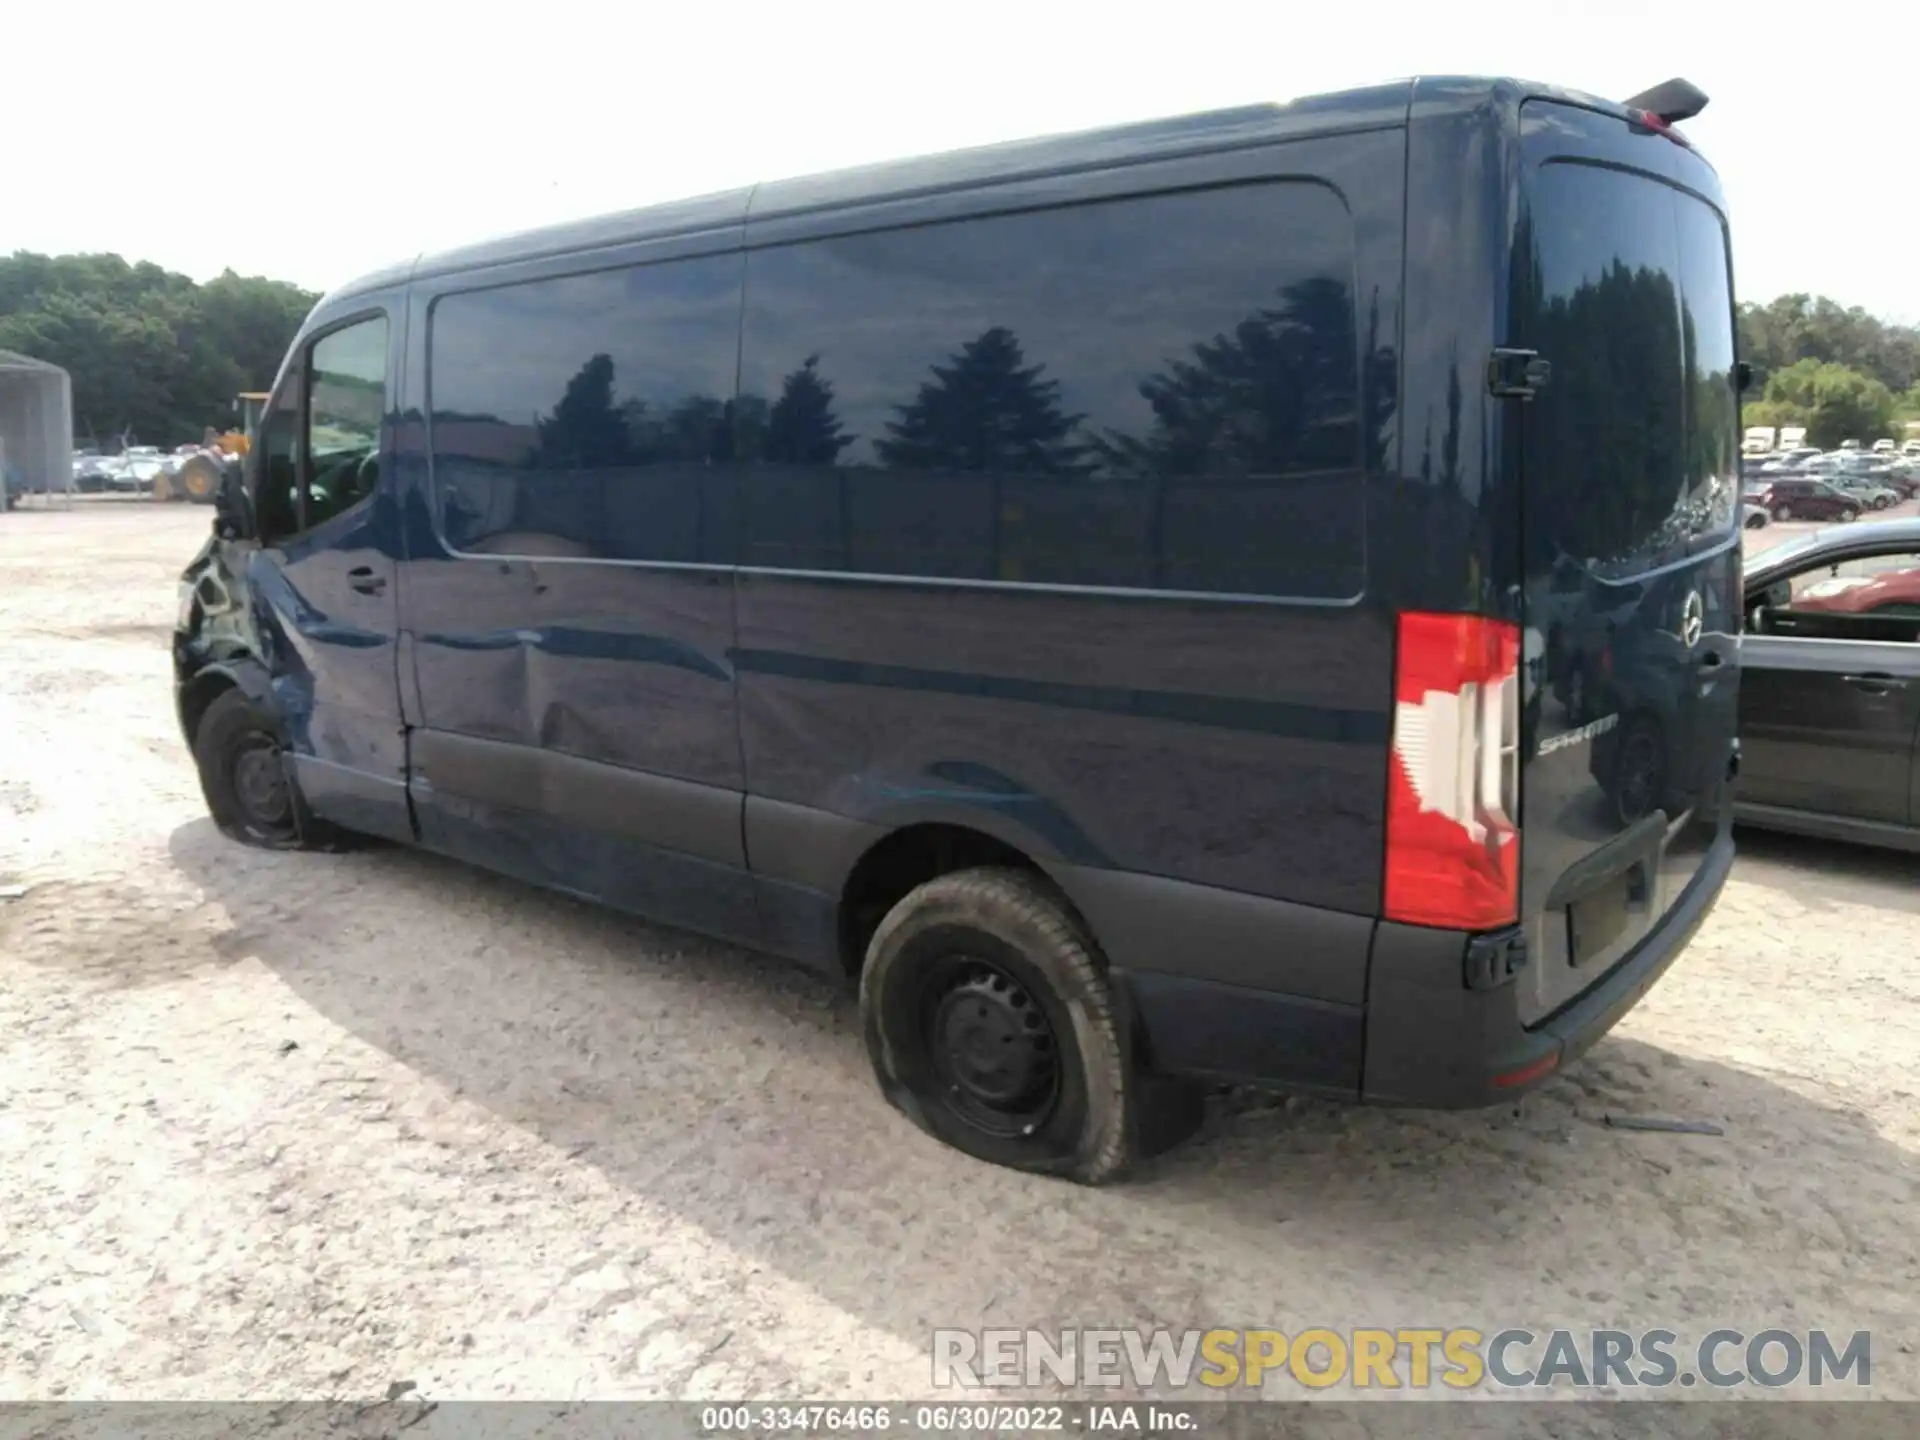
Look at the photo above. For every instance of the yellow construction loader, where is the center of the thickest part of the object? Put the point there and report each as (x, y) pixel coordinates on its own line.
(197, 477)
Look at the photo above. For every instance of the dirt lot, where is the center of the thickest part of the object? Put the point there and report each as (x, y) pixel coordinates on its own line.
(307, 1125)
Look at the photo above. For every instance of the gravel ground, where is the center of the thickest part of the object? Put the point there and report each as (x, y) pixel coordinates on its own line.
(301, 1126)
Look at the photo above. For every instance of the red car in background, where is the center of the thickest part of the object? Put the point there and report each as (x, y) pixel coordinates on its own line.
(1892, 592)
(1799, 499)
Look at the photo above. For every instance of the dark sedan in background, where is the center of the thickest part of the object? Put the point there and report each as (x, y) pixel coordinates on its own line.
(1797, 499)
(1830, 686)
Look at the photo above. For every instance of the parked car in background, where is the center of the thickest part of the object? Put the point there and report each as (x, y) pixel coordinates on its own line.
(1868, 491)
(1830, 686)
(119, 475)
(1787, 462)
(1811, 499)
(143, 464)
(1883, 447)
(89, 473)
(1911, 447)
(1849, 444)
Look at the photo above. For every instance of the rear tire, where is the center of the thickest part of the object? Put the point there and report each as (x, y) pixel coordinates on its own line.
(1849, 515)
(250, 790)
(1783, 512)
(991, 1026)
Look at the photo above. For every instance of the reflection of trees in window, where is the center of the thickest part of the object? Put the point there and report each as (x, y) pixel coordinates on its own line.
(1381, 386)
(1713, 422)
(1277, 395)
(1609, 424)
(586, 430)
(693, 432)
(801, 428)
(986, 410)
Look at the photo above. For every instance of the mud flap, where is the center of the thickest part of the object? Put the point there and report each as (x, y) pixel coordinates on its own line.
(1166, 1110)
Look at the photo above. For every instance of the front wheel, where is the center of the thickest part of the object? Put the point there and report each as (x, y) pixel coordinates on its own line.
(244, 775)
(990, 1025)
(1849, 515)
(1783, 512)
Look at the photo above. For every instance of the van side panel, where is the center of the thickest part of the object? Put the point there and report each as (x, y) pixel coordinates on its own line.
(570, 602)
(1138, 662)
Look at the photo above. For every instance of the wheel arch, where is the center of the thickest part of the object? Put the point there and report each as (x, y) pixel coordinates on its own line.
(212, 680)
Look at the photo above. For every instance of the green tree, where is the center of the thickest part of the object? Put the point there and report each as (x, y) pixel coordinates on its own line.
(1837, 403)
(1792, 328)
(152, 354)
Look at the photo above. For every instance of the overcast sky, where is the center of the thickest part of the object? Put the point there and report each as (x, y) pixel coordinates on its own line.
(313, 141)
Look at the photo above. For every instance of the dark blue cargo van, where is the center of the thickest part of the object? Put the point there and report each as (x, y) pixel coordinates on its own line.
(1247, 598)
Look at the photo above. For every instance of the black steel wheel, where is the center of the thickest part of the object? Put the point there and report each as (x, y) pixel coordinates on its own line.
(990, 1044)
(990, 1025)
(241, 758)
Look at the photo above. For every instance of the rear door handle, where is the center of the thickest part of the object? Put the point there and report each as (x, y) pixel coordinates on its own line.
(1876, 684)
(362, 578)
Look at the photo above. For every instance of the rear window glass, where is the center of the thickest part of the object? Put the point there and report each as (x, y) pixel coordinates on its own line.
(1631, 450)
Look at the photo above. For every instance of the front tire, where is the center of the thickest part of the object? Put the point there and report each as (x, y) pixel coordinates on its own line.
(990, 1025)
(1849, 515)
(250, 792)
(1783, 512)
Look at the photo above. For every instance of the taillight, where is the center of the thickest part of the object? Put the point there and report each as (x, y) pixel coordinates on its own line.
(1452, 843)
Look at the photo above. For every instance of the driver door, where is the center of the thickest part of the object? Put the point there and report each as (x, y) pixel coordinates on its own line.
(322, 579)
(1830, 690)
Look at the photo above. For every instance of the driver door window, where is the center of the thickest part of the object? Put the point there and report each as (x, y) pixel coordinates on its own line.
(1868, 597)
(321, 439)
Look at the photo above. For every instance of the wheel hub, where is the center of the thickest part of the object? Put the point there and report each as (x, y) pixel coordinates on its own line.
(260, 783)
(992, 1044)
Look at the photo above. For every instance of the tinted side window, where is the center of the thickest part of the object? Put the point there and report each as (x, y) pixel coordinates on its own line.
(587, 415)
(1159, 392)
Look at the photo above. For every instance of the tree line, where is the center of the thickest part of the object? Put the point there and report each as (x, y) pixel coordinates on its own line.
(1839, 371)
(155, 358)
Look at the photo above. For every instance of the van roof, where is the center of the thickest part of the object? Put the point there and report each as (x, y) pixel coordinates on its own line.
(1372, 107)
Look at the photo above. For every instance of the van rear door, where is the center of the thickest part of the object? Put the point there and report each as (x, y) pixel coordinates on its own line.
(1630, 477)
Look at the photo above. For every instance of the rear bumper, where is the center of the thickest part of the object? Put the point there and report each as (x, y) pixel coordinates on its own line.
(1435, 1044)
(1422, 1038)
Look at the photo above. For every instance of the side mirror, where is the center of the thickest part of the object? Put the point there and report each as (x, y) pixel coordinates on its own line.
(232, 506)
(1746, 377)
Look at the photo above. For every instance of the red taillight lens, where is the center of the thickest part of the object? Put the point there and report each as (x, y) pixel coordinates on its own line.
(1452, 845)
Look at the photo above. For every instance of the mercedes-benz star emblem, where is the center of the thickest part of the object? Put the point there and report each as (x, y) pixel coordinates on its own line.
(1693, 619)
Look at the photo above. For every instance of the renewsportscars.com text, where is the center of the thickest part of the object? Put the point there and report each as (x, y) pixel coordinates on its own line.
(1401, 1359)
